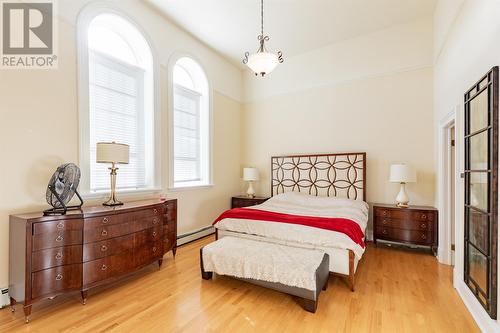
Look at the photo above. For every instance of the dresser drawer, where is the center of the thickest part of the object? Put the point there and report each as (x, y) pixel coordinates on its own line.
(147, 222)
(148, 253)
(57, 256)
(107, 220)
(402, 235)
(107, 267)
(54, 280)
(106, 232)
(57, 226)
(92, 251)
(57, 239)
(170, 213)
(148, 236)
(404, 224)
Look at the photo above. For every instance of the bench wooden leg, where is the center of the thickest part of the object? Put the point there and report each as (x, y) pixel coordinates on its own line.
(204, 275)
(309, 305)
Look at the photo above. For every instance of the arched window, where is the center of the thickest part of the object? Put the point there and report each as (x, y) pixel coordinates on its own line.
(190, 125)
(120, 105)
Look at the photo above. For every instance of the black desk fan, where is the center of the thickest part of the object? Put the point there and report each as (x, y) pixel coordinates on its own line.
(62, 186)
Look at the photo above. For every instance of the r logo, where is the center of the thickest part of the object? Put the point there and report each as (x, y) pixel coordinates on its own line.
(27, 28)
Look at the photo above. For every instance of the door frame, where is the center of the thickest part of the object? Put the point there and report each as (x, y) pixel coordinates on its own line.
(444, 184)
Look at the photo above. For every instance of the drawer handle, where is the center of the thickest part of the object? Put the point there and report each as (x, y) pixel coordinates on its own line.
(423, 225)
(424, 236)
(154, 233)
(104, 267)
(59, 255)
(384, 212)
(154, 248)
(384, 232)
(60, 225)
(104, 248)
(59, 277)
(59, 238)
(424, 217)
(104, 233)
(155, 220)
(155, 210)
(105, 220)
(384, 221)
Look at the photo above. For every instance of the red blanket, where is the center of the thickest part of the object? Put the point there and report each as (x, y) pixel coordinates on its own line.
(343, 225)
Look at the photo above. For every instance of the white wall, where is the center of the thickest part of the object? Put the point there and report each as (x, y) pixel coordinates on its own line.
(39, 123)
(372, 93)
(400, 48)
(468, 46)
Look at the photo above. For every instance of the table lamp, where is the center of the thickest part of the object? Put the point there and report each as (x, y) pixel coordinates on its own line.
(114, 153)
(250, 175)
(402, 173)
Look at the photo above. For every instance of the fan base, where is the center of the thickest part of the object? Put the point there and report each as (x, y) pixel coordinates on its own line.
(60, 211)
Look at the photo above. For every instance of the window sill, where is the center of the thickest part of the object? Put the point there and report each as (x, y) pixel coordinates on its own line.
(149, 192)
(189, 187)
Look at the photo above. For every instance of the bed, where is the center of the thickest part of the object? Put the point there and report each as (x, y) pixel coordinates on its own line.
(325, 186)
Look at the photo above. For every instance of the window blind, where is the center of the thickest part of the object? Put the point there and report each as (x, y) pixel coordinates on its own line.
(187, 145)
(116, 100)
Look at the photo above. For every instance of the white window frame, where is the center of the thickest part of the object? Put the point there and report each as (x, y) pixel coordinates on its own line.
(85, 17)
(209, 107)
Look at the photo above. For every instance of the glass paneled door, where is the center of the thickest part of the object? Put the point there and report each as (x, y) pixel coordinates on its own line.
(481, 190)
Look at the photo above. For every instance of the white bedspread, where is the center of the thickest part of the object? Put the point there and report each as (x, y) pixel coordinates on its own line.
(263, 261)
(305, 205)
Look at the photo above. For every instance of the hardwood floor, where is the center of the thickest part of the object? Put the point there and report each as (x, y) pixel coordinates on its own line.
(397, 291)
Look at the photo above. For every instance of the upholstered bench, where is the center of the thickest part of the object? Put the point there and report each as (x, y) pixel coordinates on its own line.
(295, 271)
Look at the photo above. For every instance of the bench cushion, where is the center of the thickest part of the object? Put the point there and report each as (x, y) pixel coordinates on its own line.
(266, 262)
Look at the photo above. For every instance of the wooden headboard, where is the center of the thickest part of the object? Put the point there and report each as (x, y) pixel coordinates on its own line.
(334, 175)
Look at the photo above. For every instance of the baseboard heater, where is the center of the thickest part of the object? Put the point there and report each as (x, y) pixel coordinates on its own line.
(4, 297)
(194, 235)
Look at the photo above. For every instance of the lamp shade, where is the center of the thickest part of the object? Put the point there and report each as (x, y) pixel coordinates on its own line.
(250, 174)
(112, 152)
(262, 62)
(402, 173)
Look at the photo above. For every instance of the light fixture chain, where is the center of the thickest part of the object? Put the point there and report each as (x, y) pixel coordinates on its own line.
(262, 17)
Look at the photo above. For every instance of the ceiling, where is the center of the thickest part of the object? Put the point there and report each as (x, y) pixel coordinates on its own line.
(295, 26)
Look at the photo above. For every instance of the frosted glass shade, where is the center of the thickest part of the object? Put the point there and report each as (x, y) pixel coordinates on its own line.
(262, 62)
(402, 173)
(250, 174)
(112, 152)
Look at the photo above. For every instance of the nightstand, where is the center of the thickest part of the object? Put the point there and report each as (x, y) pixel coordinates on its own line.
(244, 201)
(415, 225)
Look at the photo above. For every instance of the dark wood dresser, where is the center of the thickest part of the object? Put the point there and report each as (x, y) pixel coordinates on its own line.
(416, 225)
(52, 255)
(244, 201)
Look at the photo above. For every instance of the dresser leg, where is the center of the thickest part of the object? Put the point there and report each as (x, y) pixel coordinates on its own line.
(13, 303)
(84, 294)
(27, 313)
(174, 250)
(160, 261)
(434, 250)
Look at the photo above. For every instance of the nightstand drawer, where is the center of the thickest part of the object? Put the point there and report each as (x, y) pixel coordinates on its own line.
(404, 224)
(397, 213)
(404, 235)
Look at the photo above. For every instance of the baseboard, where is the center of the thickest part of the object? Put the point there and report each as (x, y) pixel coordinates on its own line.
(483, 320)
(194, 235)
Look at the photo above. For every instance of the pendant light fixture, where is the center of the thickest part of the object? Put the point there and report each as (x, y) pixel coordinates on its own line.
(263, 62)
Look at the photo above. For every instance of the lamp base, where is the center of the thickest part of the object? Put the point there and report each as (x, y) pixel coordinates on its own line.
(402, 198)
(250, 191)
(111, 203)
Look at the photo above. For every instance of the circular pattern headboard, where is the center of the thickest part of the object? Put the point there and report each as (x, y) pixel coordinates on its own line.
(334, 175)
